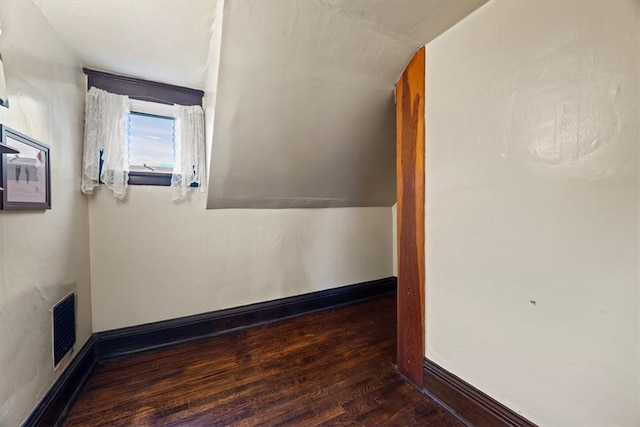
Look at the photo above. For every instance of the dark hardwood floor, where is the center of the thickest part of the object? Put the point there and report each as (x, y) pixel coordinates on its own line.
(329, 368)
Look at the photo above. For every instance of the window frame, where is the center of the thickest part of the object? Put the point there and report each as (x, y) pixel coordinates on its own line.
(160, 94)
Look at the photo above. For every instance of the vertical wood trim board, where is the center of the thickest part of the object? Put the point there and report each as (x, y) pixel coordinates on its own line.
(410, 94)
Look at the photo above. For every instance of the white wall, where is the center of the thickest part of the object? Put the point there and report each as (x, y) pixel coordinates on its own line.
(43, 255)
(532, 208)
(152, 259)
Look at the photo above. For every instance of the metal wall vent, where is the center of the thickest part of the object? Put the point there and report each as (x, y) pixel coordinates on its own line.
(64, 327)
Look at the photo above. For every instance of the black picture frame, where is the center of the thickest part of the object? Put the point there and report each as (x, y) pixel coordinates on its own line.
(26, 176)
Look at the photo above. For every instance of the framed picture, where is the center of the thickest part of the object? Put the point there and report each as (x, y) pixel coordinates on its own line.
(26, 176)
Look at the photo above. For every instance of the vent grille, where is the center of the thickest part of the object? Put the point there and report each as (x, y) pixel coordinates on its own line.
(64, 327)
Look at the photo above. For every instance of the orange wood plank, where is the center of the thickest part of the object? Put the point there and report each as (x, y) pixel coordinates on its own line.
(410, 97)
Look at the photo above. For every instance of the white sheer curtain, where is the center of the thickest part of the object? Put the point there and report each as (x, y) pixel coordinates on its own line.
(189, 165)
(106, 130)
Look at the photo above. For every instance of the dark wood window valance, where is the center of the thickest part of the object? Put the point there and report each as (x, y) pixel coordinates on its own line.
(144, 90)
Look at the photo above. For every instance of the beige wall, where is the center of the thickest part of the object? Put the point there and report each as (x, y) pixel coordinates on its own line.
(532, 208)
(152, 259)
(43, 255)
(211, 78)
(394, 237)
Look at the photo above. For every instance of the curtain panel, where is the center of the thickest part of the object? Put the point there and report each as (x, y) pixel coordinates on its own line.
(105, 131)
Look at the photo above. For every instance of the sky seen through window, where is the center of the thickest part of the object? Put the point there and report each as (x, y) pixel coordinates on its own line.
(151, 140)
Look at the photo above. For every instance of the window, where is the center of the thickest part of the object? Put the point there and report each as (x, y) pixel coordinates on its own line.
(151, 143)
(153, 134)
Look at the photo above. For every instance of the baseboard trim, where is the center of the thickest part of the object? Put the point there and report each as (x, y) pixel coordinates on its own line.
(465, 402)
(55, 405)
(124, 342)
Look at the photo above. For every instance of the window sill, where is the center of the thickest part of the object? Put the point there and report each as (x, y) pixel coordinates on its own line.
(150, 178)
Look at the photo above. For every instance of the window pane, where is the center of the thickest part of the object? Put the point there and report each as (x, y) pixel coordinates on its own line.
(151, 141)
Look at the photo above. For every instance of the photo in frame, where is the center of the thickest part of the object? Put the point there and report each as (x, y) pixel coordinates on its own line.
(26, 176)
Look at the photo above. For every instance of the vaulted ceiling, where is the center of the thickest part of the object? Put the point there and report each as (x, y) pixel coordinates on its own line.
(165, 41)
(304, 113)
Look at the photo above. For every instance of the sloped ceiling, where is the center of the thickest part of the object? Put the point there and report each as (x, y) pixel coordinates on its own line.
(165, 41)
(304, 111)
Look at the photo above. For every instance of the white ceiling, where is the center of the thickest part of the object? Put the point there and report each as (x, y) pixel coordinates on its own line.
(166, 41)
(304, 113)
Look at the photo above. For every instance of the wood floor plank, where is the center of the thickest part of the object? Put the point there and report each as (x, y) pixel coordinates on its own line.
(330, 368)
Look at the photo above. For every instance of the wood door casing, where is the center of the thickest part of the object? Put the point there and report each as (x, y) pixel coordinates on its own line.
(410, 143)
